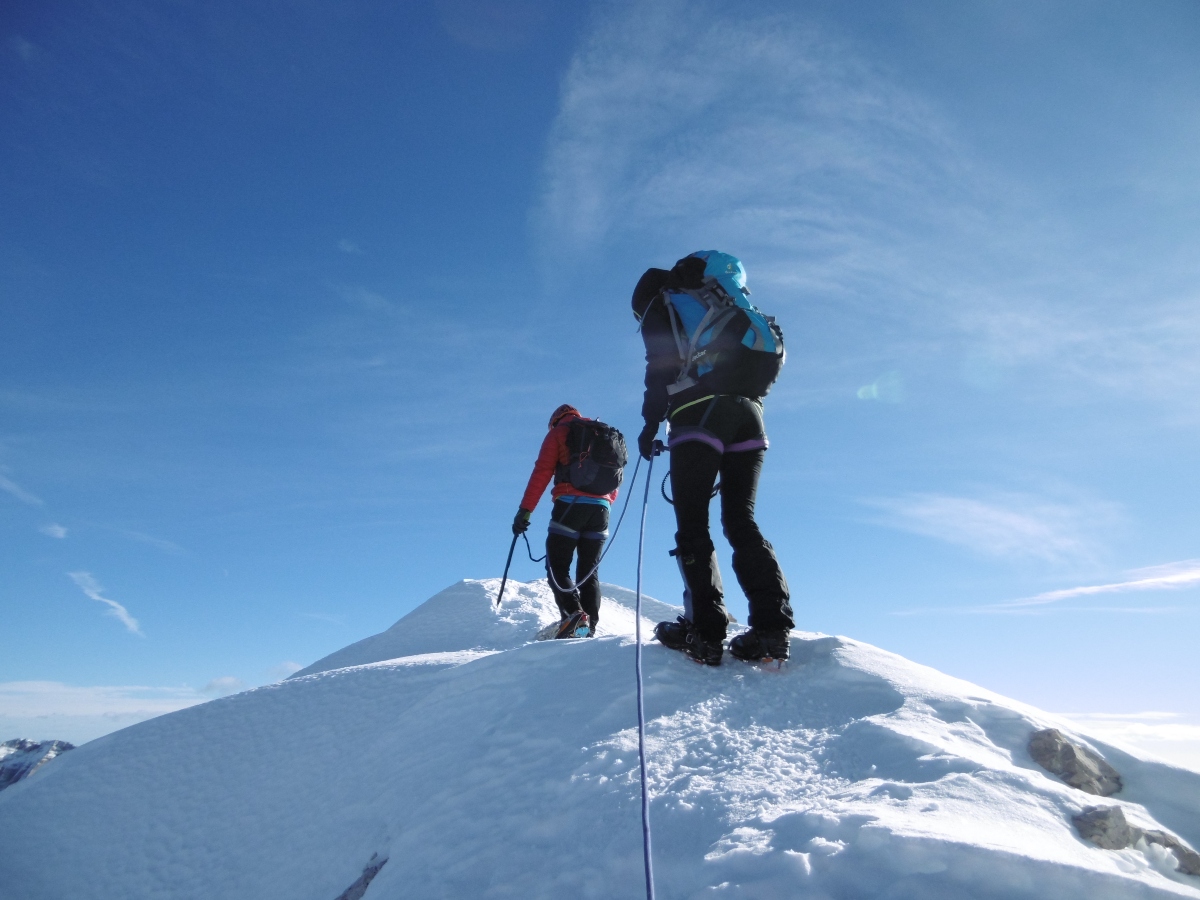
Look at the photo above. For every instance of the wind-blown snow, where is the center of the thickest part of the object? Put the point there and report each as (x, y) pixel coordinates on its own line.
(480, 764)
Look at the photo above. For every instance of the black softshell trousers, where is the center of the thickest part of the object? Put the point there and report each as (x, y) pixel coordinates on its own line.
(700, 438)
(583, 527)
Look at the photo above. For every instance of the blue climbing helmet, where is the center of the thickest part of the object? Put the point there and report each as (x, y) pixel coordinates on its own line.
(727, 269)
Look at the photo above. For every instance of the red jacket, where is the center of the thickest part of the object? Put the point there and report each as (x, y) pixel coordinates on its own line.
(554, 453)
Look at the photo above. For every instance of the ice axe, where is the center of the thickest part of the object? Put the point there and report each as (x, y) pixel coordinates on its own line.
(504, 580)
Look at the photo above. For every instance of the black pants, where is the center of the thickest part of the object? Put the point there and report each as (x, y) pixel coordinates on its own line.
(583, 526)
(698, 454)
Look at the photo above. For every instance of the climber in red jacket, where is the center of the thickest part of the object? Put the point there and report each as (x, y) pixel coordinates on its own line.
(578, 520)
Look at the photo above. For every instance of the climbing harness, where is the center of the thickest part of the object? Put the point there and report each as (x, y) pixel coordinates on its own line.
(549, 574)
(578, 581)
(641, 706)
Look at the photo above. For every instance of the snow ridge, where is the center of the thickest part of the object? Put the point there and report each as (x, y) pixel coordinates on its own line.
(476, 762)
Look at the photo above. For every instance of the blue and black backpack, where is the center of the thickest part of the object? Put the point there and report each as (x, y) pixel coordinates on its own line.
(725, 344)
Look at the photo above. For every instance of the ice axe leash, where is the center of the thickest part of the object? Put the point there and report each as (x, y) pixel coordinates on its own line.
(641, 705)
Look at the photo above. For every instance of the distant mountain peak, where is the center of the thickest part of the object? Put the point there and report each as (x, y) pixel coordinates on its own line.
(20, 758)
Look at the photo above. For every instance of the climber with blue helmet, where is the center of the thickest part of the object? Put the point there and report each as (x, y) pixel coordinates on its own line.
(711, 357)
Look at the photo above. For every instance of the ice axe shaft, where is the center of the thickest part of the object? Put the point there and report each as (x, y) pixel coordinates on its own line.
(508, 562)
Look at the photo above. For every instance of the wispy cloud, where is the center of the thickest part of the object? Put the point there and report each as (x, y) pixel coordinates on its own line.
(364, 298)
(35, 699)
(1169, 577)
(224, 686)
(50, 709)
(860, 198)
(284, 670)
(1013, 526)
(11, 487)
(22, 48)
(54, 530)
(160, 543)
(752, 136)
(1008, 609)
(92, 589)
(348, 246)
(1169, 735)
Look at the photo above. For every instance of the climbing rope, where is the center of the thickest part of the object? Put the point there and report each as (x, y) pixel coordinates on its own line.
(641, 706)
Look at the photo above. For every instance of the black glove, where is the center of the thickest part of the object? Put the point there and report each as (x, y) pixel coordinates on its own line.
(646, 440)
(521, 521)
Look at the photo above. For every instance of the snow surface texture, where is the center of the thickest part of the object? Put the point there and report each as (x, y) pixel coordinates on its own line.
(481, 764)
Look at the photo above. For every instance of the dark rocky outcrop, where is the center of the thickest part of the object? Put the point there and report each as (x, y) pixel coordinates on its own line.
(21, 758)
(1189, 859)
(356, 890)
(1073, 763)
(1107, 828)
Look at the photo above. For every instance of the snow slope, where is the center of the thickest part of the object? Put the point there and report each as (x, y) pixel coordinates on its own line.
(481, 765)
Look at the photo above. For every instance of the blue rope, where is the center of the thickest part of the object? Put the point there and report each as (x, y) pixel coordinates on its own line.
(641, 706)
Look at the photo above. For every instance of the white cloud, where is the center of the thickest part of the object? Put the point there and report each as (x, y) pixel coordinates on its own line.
(20, 493)
(45, 710)
(160, 543)
(857, 197)
(224, 685)
(1170, 736)
(366, 299)
(1168, 577)
(1014, 526)
(24, 49)
(53, 530)
(1172, 576)
(92, 589)
(491, 24)
(348, 246)
(53, 698)
(284, 670)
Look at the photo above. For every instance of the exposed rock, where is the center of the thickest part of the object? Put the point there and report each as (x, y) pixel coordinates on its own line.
(1106, 827)
(356, 890)
(1073, 763)
(21, 758)
(1189, 859)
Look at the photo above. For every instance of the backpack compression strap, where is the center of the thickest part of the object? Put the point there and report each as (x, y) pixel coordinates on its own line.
(718, 309)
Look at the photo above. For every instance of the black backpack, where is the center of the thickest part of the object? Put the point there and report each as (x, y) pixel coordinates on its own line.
(597, 458)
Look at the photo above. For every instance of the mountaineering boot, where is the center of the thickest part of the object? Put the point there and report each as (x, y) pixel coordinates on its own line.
(755, 645)
(575, 625)
(704, 651)
(673, 634)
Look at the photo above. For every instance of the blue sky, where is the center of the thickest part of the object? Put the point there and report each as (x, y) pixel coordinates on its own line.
(288, 292)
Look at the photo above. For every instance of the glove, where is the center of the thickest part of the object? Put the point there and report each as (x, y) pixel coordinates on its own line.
(646, 440)
(521, 521)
